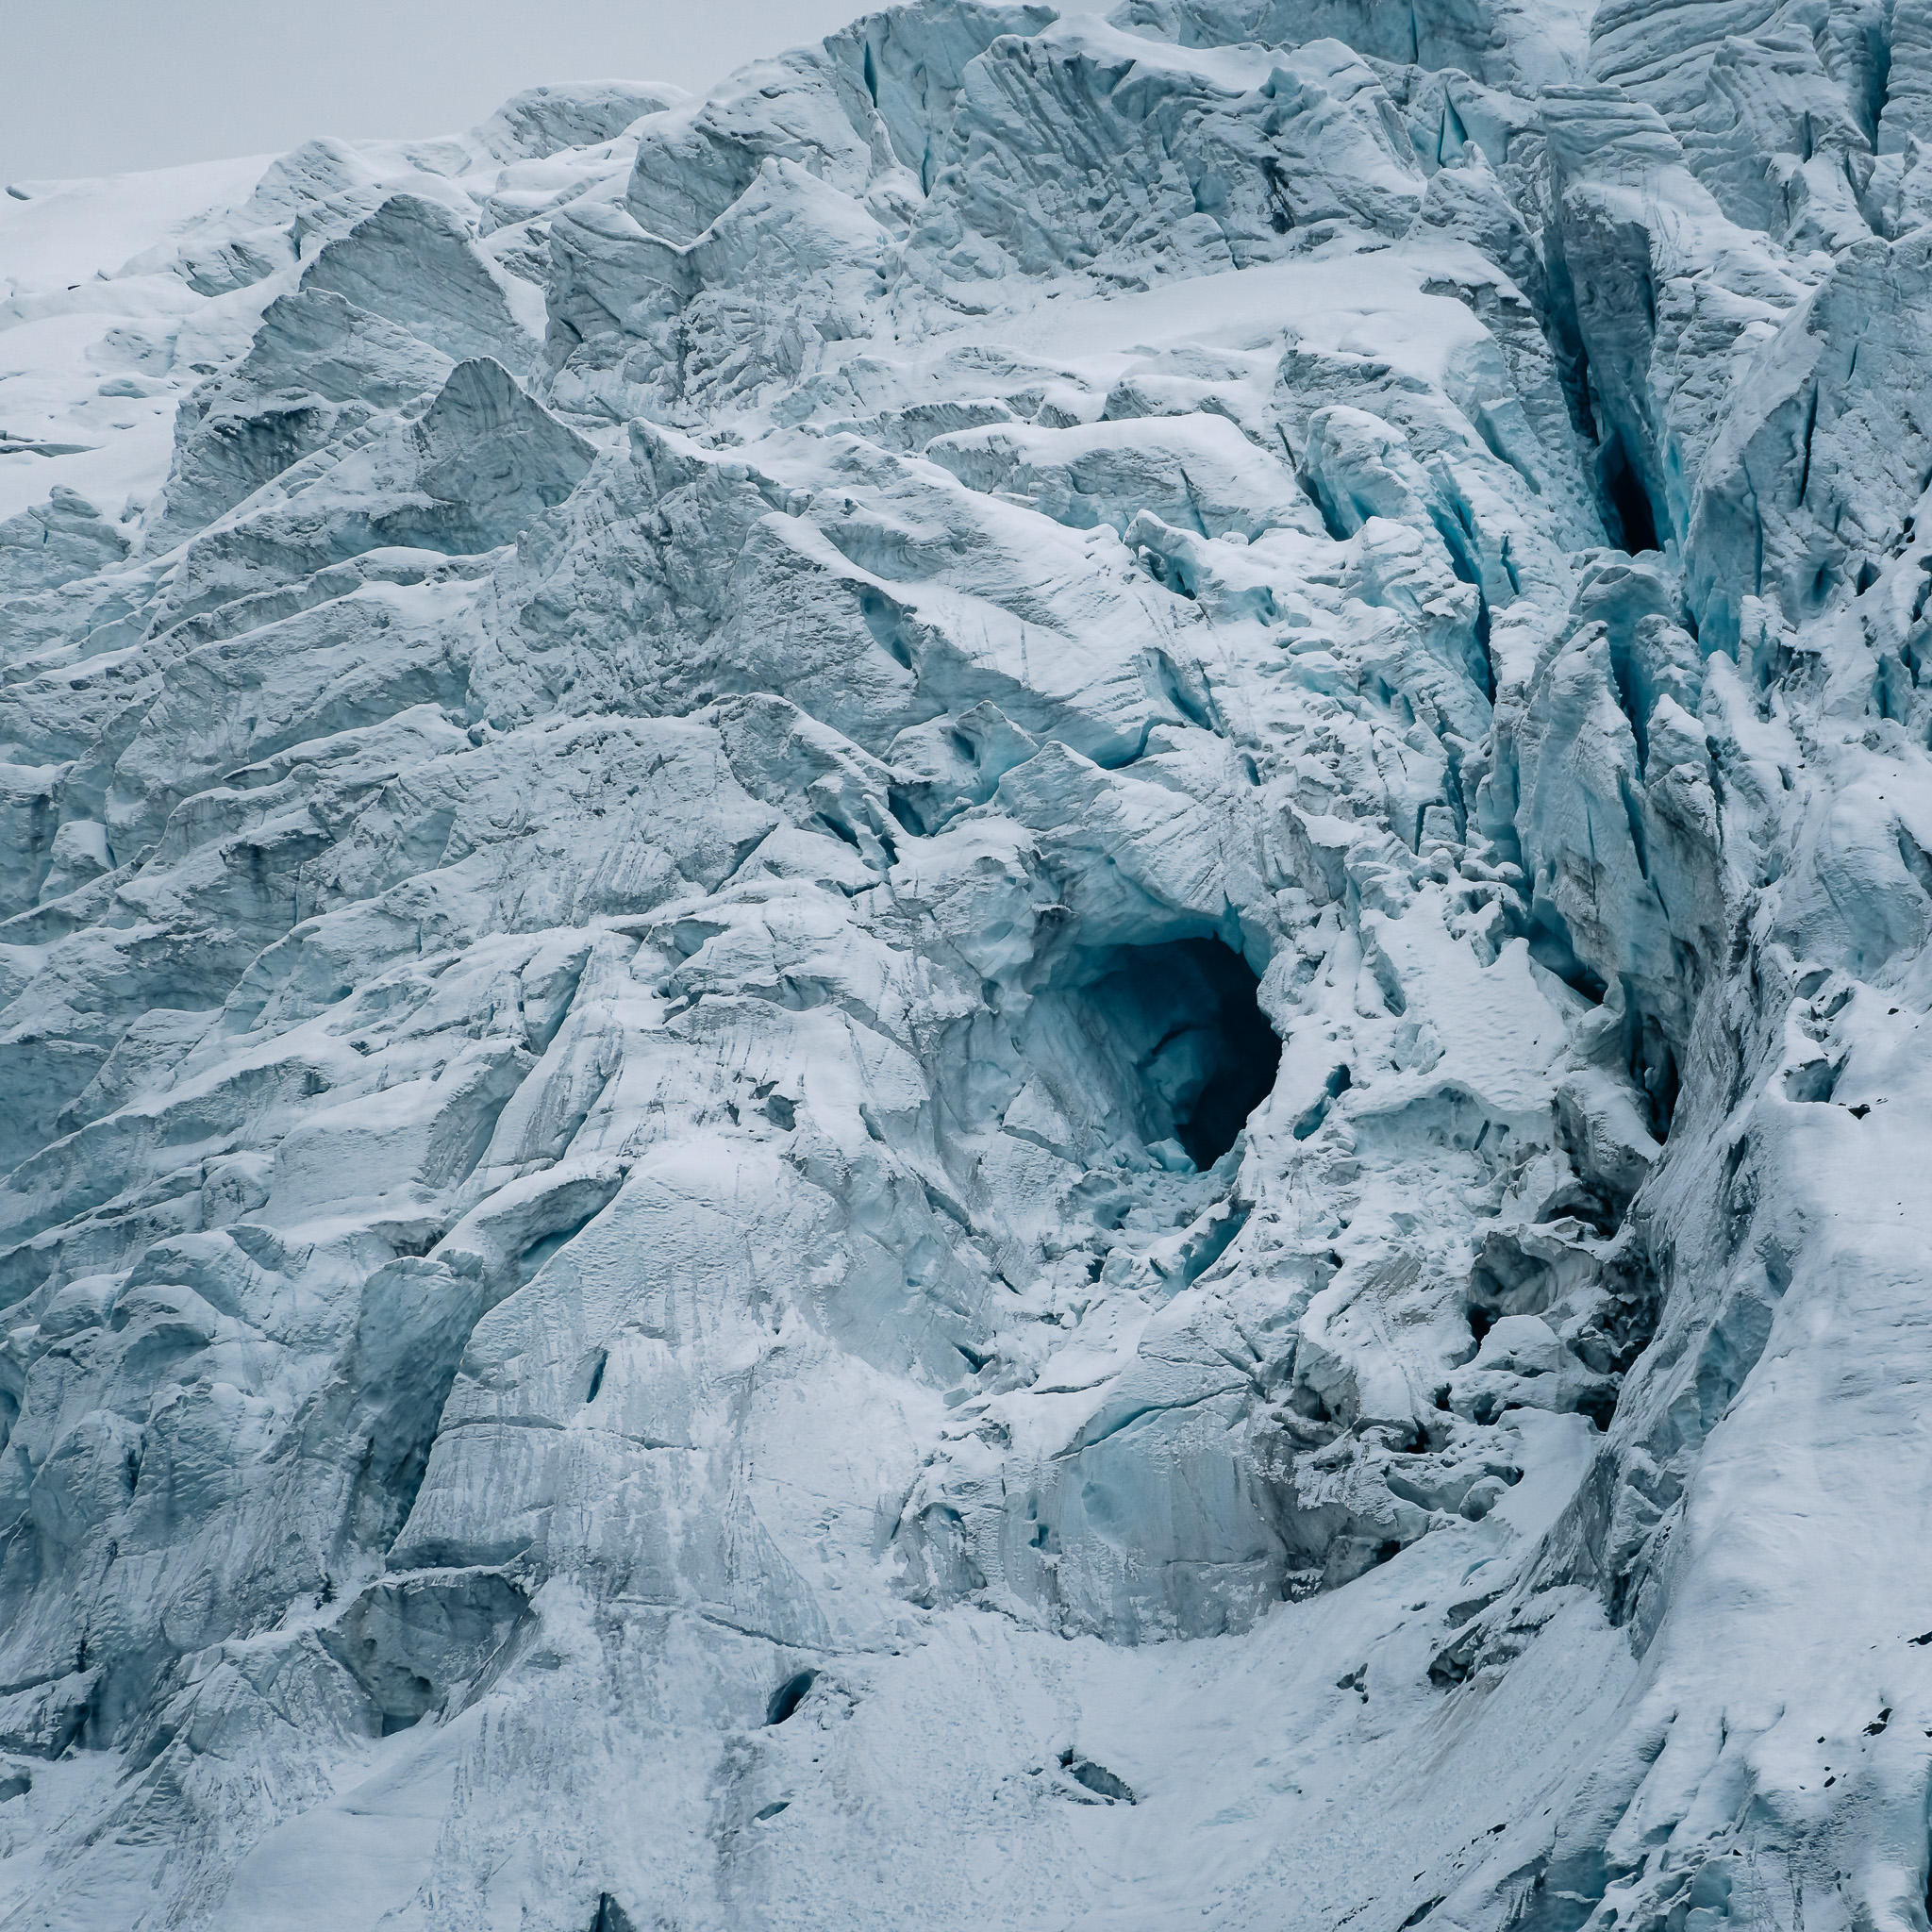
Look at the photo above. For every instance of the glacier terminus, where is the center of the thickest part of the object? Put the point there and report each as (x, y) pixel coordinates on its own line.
(979, 991)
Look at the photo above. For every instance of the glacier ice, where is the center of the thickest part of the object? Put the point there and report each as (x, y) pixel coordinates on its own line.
(965, 993)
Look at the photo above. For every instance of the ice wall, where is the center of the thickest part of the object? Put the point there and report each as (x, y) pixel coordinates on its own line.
(965, 993)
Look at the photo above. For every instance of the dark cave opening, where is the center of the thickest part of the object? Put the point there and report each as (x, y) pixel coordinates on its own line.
(789, 1696)
(611, 1917)
(1627, 500)
(1202, 1049)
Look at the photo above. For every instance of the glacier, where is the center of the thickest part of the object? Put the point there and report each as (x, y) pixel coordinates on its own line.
(965, 993)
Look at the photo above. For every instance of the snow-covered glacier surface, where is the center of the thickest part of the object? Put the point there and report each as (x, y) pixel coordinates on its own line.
(980, 992)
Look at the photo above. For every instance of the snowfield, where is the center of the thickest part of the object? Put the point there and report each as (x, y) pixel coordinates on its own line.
(980, 992)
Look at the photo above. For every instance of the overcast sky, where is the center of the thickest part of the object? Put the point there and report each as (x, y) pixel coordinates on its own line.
(93, 87)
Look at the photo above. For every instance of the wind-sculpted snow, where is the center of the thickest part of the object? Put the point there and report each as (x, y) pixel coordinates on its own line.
(1025, 929)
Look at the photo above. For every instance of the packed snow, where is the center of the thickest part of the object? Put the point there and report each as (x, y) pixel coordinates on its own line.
(979, 991)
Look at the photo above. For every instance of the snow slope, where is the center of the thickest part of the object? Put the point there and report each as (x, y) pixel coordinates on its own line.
(979, 991)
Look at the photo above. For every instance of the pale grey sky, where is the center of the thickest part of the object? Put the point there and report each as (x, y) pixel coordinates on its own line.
(93, 87)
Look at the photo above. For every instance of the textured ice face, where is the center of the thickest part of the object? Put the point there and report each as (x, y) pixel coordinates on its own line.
(979, 991)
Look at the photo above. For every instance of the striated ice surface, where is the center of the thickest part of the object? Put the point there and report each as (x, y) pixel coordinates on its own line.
(979, 992)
